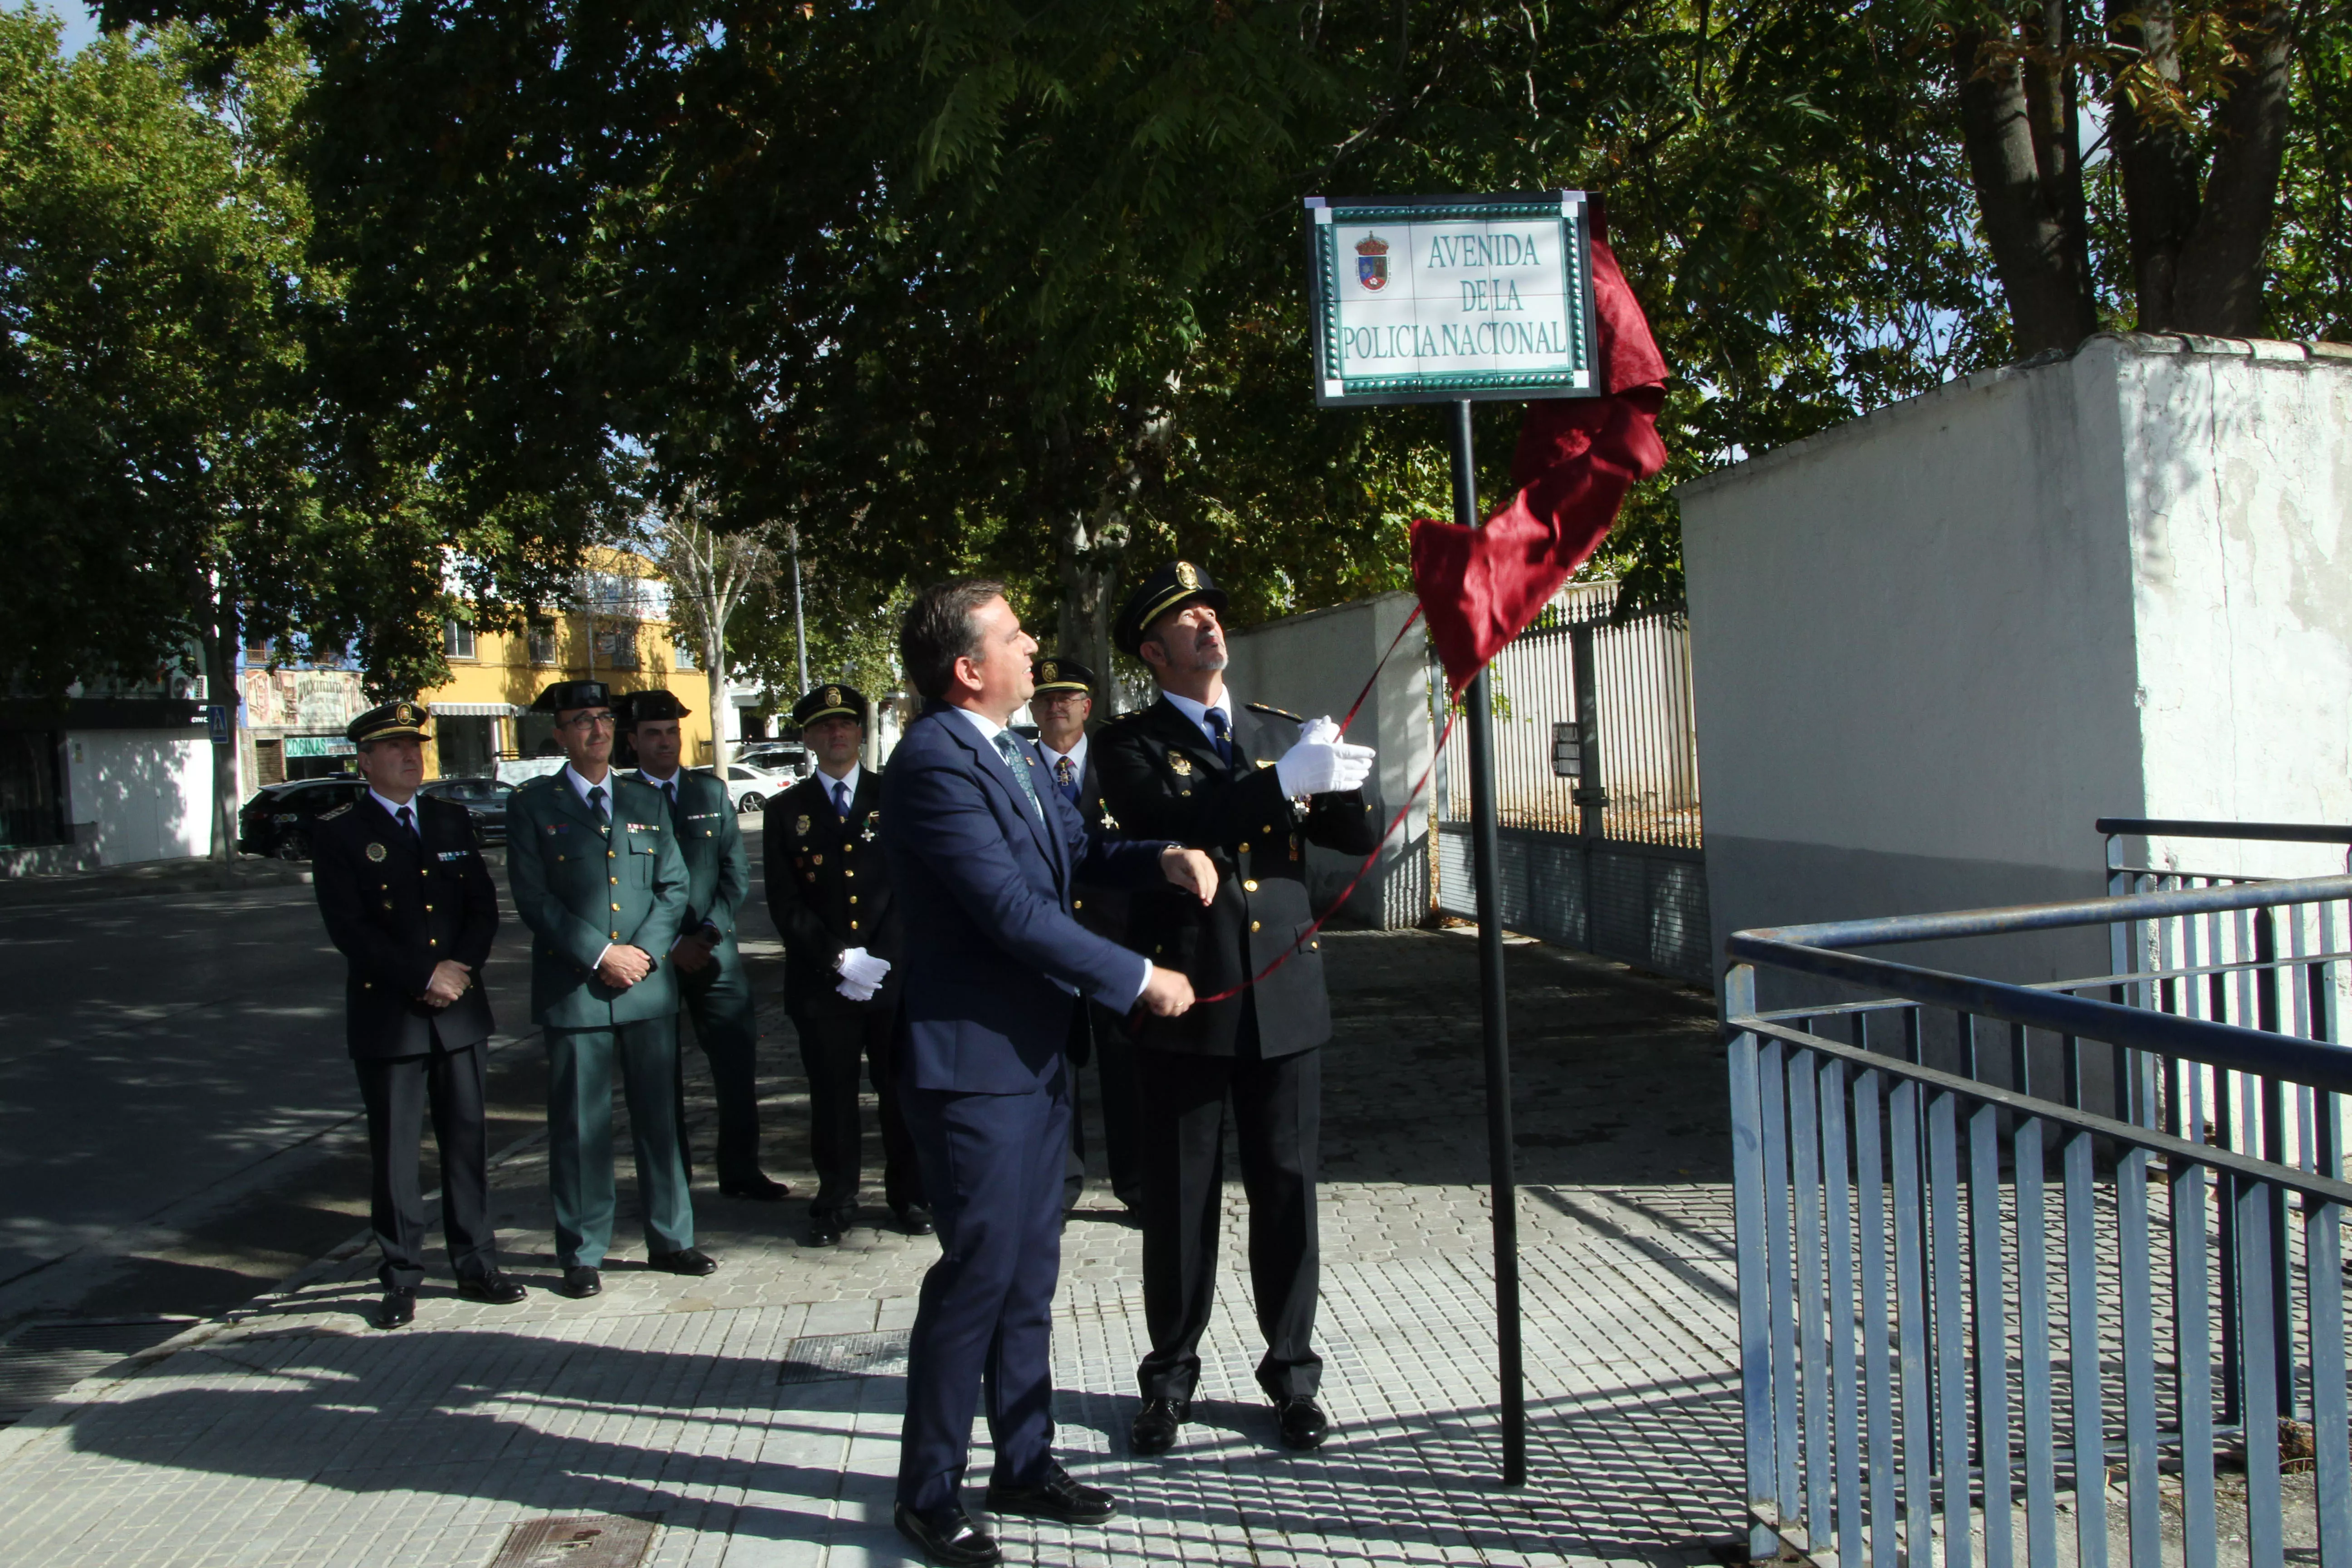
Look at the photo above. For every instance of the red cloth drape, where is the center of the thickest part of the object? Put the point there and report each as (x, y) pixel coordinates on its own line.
(1577, 457)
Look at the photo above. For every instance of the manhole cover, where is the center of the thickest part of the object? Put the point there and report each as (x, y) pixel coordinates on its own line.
(814, 1358)
(578, 1540)
(41, 1360)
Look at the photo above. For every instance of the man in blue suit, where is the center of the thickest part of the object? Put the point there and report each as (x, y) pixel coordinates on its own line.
(983, 853)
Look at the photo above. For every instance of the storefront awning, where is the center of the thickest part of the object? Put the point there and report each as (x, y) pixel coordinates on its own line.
(474, 709)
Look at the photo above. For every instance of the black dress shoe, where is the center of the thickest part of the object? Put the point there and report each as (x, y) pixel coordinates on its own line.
(1154, 1431)
(398, 1310)
(495, 1288)
(582, 1283)
(1056, 1495)
(947, 1536)
(914, 1220)
(688, 1260)
(1303, 1425)
(759, 1189)
(824, 1230)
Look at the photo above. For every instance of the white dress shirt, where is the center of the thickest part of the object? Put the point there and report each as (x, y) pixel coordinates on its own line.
(1199, 712)
(826, 782)
(393, 809)
(1076, 754)
(989, 730)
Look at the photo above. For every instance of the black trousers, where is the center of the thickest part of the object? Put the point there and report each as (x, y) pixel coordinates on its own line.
(1278, 1120)
(831, 1049)
(719, 999)
(1100, 1034)
(398, 1092)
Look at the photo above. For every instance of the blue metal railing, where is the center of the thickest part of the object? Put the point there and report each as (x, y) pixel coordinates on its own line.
(1939, 1335)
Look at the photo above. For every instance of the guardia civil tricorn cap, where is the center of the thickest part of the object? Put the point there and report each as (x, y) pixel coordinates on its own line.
(649, 706)
(1176, 584)
(1061, 675)
(569, 694)
(830, 700)
(384, 723)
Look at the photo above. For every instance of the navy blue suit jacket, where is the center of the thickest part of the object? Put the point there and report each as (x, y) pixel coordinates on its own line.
(984, 887)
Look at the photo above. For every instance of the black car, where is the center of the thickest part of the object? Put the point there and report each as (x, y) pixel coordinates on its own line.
(485, 798)
(277, 820)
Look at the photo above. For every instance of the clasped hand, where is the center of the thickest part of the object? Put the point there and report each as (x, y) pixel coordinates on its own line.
(861, 974)
(1322, 764)
(450, 980)
(622, 965)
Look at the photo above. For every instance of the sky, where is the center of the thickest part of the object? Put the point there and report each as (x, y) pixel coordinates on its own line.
(81, 26)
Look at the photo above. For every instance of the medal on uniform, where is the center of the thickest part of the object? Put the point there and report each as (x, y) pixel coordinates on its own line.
(1178, 763)
(800, 827)
(818, 858)
(375, 851)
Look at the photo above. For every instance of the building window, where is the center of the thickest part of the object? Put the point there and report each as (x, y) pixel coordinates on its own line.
(456, 640)
(685, 660)
(29, 802)
(542, 645)
(616, 647)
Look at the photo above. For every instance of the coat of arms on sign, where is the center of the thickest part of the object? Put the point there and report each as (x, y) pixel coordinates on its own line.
(1372, 263)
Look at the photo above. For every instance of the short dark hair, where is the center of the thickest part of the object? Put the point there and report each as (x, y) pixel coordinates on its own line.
(938, 631)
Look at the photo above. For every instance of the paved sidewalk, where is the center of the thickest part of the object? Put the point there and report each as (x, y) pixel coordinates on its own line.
(752, 1416)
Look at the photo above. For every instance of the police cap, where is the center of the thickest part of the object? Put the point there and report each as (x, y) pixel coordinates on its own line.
(569, 694)
(1176, 584)
(1052, 675)
(392, 719)
(829, 700)
(650, 706)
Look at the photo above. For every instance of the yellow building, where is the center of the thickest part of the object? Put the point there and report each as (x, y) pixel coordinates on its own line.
(622, 636)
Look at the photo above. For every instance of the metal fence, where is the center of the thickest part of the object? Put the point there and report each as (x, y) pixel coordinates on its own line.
(1596, 771)
(1942, 1336)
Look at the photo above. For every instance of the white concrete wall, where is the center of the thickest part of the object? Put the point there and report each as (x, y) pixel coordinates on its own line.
(1315, 664)
(1932, 645)
(140, 794)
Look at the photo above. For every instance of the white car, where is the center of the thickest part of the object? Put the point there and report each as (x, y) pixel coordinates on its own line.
(751, 788)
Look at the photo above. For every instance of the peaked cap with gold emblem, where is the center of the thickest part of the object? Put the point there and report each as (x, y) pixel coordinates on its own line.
(384, 723)
(1052, 675)
(828, 700)
(1177, 584)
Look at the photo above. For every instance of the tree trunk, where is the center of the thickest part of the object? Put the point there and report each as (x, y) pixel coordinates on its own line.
(1088, 547)
(2157, 156)
(2017, 122)
(220, 645)
(714, 664)
(2218, 283)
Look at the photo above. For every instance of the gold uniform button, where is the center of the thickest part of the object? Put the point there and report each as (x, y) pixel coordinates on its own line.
(853, 898)
(846, 873)
(616, 909)
(852, 925)
(1077, 903)
(616, 881)
(428, 908)
(432, 942)
(1315, 946)
(612, 854)
(1249, 887)
(1253, 925)
(1245, 848)
(1269, 827)
(616, 936)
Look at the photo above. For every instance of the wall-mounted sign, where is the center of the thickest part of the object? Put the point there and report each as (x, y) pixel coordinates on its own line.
(1440, 298)
(216, 723)
(320, 746)
(1567, 752)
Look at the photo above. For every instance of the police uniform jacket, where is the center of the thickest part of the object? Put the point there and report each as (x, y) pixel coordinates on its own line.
(1101, 910)
(580, 889)
(718, 872)
(828, 891)
(1161, 778)
(396, 903)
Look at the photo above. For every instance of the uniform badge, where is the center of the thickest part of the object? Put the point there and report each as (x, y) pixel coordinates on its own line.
(800, 827)
(832, 696)
(375, 851)
(1187, 574)
(1178, 763)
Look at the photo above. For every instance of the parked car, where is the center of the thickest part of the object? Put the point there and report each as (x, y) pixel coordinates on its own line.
(277, 820)
(484, 799)
(750, 787)
(775, 757)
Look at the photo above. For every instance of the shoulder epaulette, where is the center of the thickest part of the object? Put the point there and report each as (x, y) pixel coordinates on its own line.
(1277, 712)
(337, 811)
(542, 781)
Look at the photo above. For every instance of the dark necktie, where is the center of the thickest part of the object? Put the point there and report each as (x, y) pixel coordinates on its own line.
(1010, 749)
(1065, 778)
(408, 820)
(670, 789)
(1218, 730)
(596, 804)
(841, 799)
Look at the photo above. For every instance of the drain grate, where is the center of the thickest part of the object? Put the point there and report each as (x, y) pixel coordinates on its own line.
(42, 1361)
(578, 1540)
(814, 1358)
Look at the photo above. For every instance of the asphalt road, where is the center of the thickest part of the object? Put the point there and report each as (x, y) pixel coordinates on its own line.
(178, 1125)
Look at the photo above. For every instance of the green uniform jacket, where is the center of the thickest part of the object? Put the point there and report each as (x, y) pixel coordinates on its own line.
(718, 872)
(579, 892)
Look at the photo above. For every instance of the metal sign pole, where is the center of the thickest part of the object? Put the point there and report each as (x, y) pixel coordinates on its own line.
(1485, 855)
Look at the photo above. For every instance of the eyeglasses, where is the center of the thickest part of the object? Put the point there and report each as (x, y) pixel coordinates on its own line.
(599, 721)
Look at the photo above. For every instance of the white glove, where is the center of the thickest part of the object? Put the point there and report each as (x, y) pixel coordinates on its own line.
(855, 991)
(1321, 762)
(862, 969)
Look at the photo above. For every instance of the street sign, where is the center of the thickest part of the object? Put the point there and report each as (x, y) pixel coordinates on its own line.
(217, 723)
(1443, 299)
